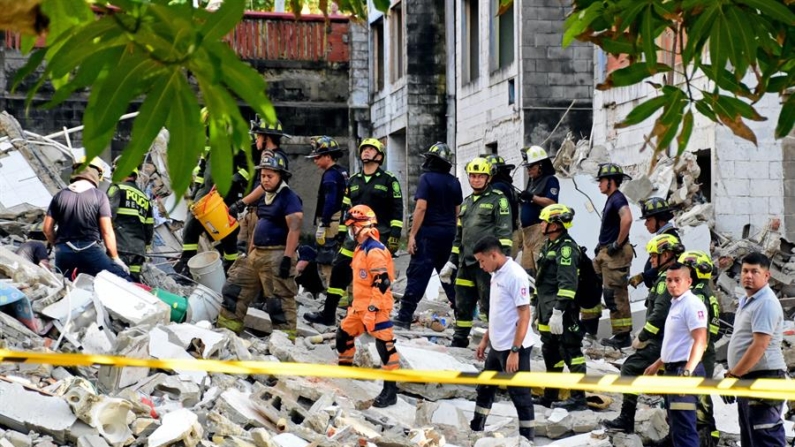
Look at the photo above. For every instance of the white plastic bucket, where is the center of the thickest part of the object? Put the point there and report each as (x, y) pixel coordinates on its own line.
(207, 269)
(203, 304)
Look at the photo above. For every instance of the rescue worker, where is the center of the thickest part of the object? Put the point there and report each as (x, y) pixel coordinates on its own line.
(379, 190)
(508, 337)
(331, 191)
(663, 250)
(433, 226)
(372, 299)
(83, 218)
(133, 223)
(35, 250)
(273, 257)
(612, 259)
(701, 269)
(502, 181)
(658, 218)
(542, 190)
(682, 349)
(558, 313)
(484, 212)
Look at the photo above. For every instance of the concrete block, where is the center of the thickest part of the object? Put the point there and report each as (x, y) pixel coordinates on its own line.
(258, 320)
(160, 347)
(18, 439)
(776, 170)
(185, 333)
(33, 411)
(180, 426)
(133, 342)
(132, 305)
(92, 441)
(186, 392)
(766, 188)
(261, 437)
(241, 410)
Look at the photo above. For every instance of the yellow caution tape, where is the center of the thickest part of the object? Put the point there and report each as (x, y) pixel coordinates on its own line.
(760, 388)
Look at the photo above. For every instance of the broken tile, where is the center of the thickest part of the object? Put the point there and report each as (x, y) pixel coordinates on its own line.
(34, 411)
(178, 426)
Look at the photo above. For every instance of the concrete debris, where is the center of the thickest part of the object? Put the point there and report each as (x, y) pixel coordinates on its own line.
(181, 426)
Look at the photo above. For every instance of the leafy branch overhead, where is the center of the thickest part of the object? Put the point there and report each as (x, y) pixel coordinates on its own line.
(725, 40)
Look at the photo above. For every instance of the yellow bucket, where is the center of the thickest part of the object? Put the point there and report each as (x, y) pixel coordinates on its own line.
(214, 216)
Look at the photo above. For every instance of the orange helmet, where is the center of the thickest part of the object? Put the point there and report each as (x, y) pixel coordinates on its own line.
(360, 216)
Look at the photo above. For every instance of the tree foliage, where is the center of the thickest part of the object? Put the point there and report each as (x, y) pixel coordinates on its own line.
(723, 39)
(155, 50)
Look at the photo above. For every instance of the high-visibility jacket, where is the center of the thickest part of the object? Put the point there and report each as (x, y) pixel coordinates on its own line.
(131, 213)
(658, 302)
(370, 260)
(381, 192)
(556, 281)
(484, 214)
(703, 290)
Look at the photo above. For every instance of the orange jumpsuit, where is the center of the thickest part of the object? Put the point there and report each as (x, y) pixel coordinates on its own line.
(371, 261)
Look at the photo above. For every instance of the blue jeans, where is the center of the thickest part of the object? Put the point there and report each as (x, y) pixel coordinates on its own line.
(89, 259)
(682, 410)
(434, 245)
(760, 419)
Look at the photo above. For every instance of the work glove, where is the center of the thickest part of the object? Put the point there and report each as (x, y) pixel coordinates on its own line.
(446, 275)
(369, 318)
(526, 196)
(613, 248)
(320, 235)
(556, 322)
(637, 344)
(236, 208)
(117, 260)
(636, 280)
(284, 267)
(393, 243)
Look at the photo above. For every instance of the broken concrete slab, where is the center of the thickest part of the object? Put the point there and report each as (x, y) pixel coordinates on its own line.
(132, 305)
(18, 439)
(258, 320)
(185, 333)
(181, 426)
(288, 440)
(132, 342)
(627, 440)
(651, 424)
(160, 347)
(92, 441)
(239, 408)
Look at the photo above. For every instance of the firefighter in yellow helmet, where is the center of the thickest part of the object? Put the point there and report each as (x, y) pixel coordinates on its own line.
(485, 212)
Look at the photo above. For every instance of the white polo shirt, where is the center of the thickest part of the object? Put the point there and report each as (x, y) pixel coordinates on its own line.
(687, 313)
(510, 288)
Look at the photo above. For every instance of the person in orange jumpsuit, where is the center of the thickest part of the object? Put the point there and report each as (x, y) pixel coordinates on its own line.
(373, 273)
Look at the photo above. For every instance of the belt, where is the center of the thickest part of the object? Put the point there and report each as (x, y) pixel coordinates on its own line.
(72, 246)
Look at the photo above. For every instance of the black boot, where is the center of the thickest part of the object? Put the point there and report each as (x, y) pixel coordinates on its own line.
(327, 316)
(548, 399)
(402, 323)
(618, 341)
(459, 342)
(478, 423)
(576, 402)
(625, 421)
(388, 395)
(590, 326)
(528, 432)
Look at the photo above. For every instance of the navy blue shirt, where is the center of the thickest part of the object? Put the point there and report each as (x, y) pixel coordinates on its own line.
(443, 193)
(33, 251)
(330, 193)
(546, 186)
(272, 224)
(611, 221)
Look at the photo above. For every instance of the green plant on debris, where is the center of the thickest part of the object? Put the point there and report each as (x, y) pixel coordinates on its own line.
(725, 40)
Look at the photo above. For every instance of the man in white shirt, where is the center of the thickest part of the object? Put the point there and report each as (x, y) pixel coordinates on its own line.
(508, 334)
(683, 346)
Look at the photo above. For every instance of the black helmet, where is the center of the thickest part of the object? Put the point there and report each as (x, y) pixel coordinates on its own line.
(260, 126)
(441, 151)
(272, 162)
(324, 145)
(608, 170)
(497, 163)
(653, 207)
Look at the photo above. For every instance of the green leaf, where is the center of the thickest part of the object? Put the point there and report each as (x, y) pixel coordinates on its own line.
(221, 155)
(27, 44)
(684, 135)
(628, 11)
(733, 44)
(779, 83)
(696, 37)
(243, 80)
(110, 98)
(740, 107)
(223, 20)
(727, 81)
(718, 51)
(88, 72)
(643, 111)
(151, 118)
(382, 5)
(705, 108)
(634, 73)
(745, 34)
(186, 136)
(100, 34)
(619, 45)
(648, 36)
(65, 14)
(772, 8)
(580, 21)
(786, 119)
(35, 59)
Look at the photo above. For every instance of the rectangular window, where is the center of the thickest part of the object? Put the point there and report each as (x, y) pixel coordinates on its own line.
(470, 40)
(377, 35)
(502, 34)
(396, 34)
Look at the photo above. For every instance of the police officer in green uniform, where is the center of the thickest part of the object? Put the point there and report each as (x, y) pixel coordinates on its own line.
(133, 224)
(379, 190)
(485, 212)
(663, 251)
(701, 268)
(558, 313)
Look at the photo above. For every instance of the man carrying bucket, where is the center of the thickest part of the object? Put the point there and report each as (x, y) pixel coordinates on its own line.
(280, 214)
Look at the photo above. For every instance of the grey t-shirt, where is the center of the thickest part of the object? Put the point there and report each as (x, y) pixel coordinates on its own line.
(77, 214)
(761, 313)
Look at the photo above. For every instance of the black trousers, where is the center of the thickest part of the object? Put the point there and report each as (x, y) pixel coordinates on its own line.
(522, 400)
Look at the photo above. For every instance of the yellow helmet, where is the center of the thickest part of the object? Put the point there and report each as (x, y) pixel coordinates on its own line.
(664, 243)
(373, 142)
(558, 213)
(700, 262)
(95, 163)
(479, 165)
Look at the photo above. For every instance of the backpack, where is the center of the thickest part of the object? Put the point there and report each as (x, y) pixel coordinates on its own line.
(589, 286)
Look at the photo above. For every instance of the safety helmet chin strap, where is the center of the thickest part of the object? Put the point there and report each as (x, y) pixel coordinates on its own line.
(558, 230)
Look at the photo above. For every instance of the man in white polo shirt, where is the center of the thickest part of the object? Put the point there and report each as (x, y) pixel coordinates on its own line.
(683, 346)
(755, 353)
(508, 333)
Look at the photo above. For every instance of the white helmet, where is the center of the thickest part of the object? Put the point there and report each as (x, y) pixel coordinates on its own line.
(533, 155)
